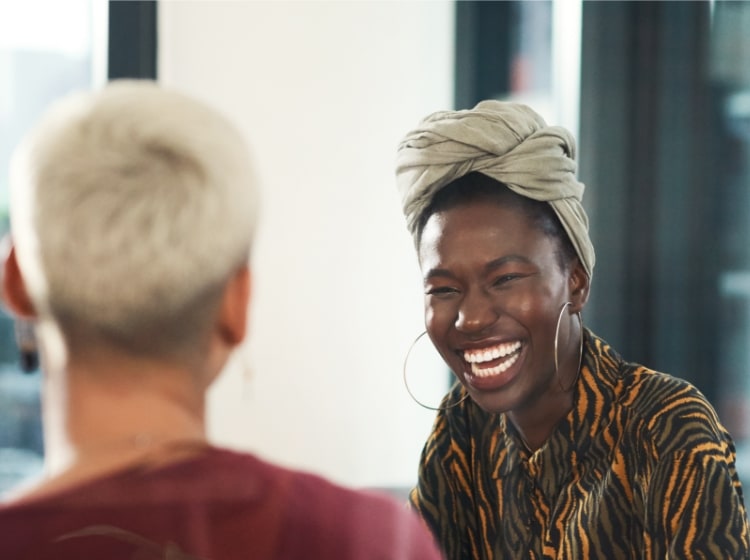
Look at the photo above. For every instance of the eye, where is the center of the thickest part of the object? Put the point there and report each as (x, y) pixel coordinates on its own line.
(440, 291)
(505, 279)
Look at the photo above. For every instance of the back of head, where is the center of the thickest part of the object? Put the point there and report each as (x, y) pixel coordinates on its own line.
(130, 208)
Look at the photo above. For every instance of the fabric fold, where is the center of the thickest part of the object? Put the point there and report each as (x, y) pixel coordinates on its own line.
(506, 141)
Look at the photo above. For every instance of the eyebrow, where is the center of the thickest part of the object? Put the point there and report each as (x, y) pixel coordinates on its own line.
(497, 263)
(489, 267)
(438, 273)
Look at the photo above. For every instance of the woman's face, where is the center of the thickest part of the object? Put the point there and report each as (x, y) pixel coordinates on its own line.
(494, 288)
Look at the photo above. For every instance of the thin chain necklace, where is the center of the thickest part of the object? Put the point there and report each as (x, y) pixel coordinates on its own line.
(143, 447)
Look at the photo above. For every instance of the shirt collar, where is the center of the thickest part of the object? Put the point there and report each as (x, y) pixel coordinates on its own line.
(569, 444)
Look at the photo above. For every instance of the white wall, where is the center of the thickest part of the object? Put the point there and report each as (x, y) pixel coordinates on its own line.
(324, 91)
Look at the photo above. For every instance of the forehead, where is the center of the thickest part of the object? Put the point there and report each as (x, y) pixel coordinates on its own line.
(480, 229)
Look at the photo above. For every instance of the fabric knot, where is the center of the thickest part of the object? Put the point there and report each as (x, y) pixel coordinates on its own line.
(506, 141)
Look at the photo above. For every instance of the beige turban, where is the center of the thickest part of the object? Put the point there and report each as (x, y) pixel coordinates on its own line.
(506, 141)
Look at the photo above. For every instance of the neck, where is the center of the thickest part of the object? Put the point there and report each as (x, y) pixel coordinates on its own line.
(106, 410)
(536, 422)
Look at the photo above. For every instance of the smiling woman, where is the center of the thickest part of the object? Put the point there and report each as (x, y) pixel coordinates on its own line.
(497, 286)
(563, 449)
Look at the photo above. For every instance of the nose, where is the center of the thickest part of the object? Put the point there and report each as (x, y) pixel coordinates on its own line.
(476, 312)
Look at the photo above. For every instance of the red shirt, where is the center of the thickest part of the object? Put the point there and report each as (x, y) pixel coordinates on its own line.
(221, 505)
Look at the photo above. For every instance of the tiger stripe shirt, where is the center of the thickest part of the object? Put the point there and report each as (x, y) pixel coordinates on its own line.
(640, 467)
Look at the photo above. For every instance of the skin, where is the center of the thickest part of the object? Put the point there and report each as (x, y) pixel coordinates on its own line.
(100, 399)
(492, 278)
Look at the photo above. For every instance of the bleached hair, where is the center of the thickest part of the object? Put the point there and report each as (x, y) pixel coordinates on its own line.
(129, 205)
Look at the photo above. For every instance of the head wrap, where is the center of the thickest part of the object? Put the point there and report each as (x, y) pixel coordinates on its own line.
(506, 141)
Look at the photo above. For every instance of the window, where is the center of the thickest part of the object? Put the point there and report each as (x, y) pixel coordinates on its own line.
(665, 153)
(660, 95)
(47, 49)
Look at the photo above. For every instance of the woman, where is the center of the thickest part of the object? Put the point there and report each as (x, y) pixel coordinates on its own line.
(139, 299)
(551, 446)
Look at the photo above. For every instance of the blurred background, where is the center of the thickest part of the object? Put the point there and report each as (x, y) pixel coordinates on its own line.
(658, 94)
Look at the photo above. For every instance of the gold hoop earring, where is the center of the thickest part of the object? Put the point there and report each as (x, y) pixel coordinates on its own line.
(580, 351)
(406, 383)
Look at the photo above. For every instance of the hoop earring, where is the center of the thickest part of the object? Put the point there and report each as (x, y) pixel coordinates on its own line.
(580, 351)
(406, 383)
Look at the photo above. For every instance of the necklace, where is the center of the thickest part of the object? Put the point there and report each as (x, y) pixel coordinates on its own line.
(145, 448)
(143, 451)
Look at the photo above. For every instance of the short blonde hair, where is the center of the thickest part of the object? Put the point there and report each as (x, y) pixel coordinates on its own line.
(129, 206)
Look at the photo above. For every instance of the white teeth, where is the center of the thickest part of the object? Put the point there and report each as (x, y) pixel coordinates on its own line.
(488, 354)
(497, 370)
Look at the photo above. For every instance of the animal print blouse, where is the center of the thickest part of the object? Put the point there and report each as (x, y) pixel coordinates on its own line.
(639, 468)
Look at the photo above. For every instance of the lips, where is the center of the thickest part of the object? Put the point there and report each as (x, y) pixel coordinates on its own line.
(494, 360)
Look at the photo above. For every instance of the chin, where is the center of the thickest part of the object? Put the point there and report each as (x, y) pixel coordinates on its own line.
(492, 404)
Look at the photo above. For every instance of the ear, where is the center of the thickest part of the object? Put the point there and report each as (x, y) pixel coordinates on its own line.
(14, 293)
(579, 284)
(233, 311)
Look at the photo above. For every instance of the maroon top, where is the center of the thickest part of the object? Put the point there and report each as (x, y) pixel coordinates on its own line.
(221, 505)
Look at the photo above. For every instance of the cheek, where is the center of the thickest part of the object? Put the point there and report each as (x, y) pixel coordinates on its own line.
(430, 317)
(535, 303)
(534, 313)
(524, 305)
(437, 316)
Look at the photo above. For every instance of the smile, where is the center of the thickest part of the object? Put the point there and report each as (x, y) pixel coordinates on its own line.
(484, 361)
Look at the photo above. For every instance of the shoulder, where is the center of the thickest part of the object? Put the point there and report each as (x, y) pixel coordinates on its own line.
(238, 498)
(307, 491)
(660, 396)
(673, 412)
(334, 521)
(663, 411)
(459, 426)
(464, 438)
(663, 402)
(461, 417)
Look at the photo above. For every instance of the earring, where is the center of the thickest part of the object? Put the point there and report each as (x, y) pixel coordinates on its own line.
(244, 359)
(580, 351)
(408, 390)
